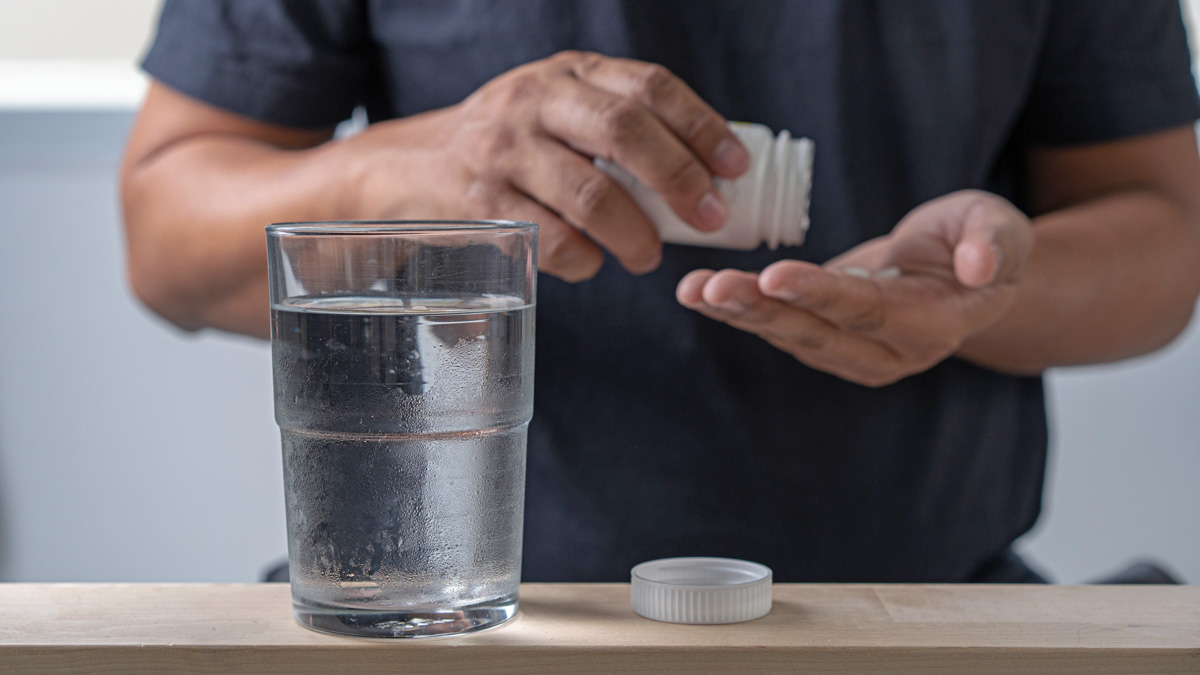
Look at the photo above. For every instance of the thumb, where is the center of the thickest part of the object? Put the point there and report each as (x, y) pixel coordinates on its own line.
(993, 245)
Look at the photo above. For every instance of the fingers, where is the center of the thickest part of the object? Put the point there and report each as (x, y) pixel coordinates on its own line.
(976, 237)
(563, 251)
(734, 298)
(845, 300)
(891, 307)
(534, 131)
(994, 242)
(977, 261)
(687, 115)
(688, 291)
(590, 200)
(599, 123)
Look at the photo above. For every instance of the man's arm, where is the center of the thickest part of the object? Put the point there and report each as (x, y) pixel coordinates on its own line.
(199, 184)
(1111, 270)
(1115, 268)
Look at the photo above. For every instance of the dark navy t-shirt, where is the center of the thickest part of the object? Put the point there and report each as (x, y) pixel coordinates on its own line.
(658, 432)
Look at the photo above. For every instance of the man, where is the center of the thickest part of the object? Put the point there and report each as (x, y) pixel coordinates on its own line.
(831, 426)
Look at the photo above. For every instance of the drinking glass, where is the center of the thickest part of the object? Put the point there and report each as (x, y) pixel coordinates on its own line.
(403, 367)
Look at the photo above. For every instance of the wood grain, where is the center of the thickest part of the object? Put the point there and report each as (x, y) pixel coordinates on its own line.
(584, 628)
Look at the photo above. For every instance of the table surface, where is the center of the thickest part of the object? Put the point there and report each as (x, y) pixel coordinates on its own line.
(577, 628)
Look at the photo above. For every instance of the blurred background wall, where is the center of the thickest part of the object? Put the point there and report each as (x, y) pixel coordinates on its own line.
(130, 451)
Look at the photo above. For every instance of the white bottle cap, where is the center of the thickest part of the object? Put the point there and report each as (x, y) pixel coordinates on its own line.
(701, 590)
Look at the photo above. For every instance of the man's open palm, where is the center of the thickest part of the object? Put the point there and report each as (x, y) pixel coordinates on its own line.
(891, 307)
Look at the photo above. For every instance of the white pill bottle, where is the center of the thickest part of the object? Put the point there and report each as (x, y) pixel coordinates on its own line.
(766, 205)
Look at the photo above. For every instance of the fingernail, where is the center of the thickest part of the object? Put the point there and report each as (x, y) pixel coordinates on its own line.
(711, 210)
(787, 293)
(860, 272)
(732, 157)
(999, 253)
(888, 273)
(731, 304)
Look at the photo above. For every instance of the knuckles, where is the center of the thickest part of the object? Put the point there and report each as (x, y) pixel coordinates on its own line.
(524, 87)
(485, 199)
(555, 250)
(593, 196)
(577, 61)
(687, 178)
(698, 125)
(572, 57)
(492, 143)
(559, 254)
(621, 121)
(515, 90)
(653, 83)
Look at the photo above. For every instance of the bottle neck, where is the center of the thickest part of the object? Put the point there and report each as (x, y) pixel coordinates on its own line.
(787, 182)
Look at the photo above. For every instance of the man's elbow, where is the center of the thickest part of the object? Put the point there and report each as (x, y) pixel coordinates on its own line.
(1186, 282)
(149, 273)
(150, 285)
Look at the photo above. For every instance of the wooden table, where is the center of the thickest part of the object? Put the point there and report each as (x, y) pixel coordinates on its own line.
(578, 628)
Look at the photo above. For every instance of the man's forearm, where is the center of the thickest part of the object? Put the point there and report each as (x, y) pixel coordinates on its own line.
(195, 209)
(1108, 279)
(195, 214)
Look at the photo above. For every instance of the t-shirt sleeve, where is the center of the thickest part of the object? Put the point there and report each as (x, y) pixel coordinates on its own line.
(297, 64)
(1111, 69)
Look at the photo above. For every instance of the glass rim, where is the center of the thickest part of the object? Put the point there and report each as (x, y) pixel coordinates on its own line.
(368, 227)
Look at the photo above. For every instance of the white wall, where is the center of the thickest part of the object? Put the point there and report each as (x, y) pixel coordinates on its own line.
(128, 450)
(1125, 457)
(1125, 462)
(132, 452)
(75, 29)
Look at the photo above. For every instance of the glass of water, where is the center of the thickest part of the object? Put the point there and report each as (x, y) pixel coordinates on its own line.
(403, 364)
